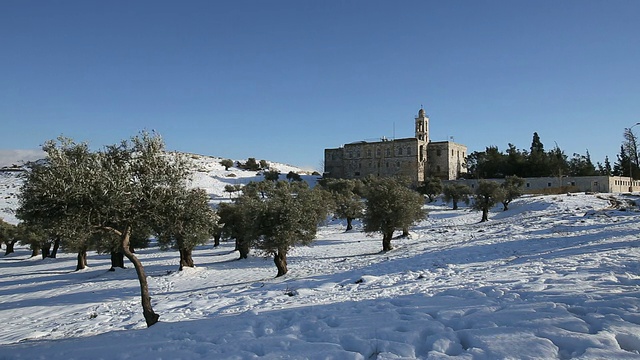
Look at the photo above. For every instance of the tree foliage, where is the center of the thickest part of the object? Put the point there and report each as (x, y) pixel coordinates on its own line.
(511, 190)
(289, 215)
(455, 193)
(431, 187)
(187, 221)
(390, 205)
(345, 198)
(76, 192)
(535, 162)
(227, 163)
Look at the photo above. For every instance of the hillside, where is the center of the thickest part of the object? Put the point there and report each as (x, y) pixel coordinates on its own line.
(555, 277)
(207, 173)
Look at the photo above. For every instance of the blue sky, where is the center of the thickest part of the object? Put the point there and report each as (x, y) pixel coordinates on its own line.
(282, 80)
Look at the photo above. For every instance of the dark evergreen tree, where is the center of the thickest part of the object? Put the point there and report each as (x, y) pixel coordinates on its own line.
(581, 165)
(622, 165)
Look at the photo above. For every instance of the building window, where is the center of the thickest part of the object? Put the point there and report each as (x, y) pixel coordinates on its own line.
(398, 164)
(408, 151)
(377, 152)
(438, 168)
(438, 152)
(357, 173)
(399, 151)
(369, 153)
(528, 185)
(388, 152)
(451, 152)
(387, 164)
(548, 184)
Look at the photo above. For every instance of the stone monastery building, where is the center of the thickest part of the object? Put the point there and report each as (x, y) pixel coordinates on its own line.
(415, 158)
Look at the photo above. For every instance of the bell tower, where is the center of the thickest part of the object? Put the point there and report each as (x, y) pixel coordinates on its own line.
(422, 126)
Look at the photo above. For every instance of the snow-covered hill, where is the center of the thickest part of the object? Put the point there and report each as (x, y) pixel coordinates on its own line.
(207, 173)
(555, 277)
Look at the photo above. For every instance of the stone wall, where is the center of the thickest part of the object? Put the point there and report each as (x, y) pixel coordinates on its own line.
(447, 160)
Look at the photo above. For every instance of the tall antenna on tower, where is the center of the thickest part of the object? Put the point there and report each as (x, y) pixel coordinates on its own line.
(394, 130)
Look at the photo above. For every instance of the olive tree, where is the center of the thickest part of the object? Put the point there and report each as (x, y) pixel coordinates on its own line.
(512, 189)
(187, 221)
(431, 187)
(227, 163)
(345, 198)
(456, 193)
(8, 236)
(238, 221)
(487, 195)
(391, 205)
(289, 215)
(117, 190)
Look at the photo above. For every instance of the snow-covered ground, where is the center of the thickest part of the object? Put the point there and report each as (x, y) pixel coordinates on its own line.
(555, 277)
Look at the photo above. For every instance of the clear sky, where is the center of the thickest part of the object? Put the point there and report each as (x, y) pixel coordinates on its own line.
(282, 80)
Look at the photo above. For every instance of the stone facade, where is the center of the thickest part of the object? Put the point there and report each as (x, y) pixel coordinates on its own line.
(408, 157)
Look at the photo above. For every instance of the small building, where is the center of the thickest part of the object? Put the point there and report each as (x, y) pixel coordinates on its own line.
(604, 184)
(414, 158)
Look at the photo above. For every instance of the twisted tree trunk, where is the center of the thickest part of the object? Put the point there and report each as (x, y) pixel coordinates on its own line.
(149, 315)
(280, 259)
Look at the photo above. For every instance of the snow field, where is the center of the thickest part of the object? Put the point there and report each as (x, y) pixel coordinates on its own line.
(555, 277)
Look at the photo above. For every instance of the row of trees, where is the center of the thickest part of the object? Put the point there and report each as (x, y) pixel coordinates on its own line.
(537, 162)
(487, 195)
(114, 199)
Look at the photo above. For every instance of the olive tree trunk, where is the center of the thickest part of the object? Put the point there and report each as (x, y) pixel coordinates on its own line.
(243, 247)
(56, 246)
(35, 250)
(10, 245)
(280, 259)
(216, 238)
(349, 221)
(386, 241)
(82, 259)
(117, 260)
(149, 315)
(185, 258)
(485, 214)
(46, 250)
